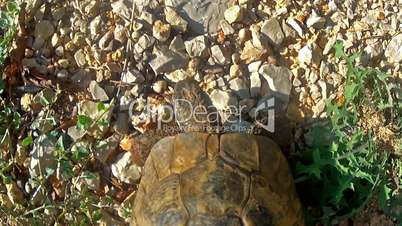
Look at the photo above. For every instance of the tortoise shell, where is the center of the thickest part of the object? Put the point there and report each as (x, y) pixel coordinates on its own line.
(200, 179)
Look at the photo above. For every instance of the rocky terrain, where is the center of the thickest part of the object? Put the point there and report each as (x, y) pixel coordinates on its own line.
(112, 66)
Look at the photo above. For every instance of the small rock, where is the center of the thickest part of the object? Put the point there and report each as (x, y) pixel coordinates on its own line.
(177, 76)
(119, 33)
(394, 49)
(59, 51)
(255, 84)
(97, 92)
(202, 16)
(167, 61)
(218, 55)
(234, 14)
(62, 74)
(222, 99)
(226, 28)
(272, 28)
(42, 155)
(296, 26)
(310, 54)
(44, 29)
(105, 148)
(33, 64)
(240, 88)
(121, 126)
(105, 40)
(144, 42)
(244, 35)
(94, 26)
(133, 76)
(279, 80)
(121, 7)
(80, 58)
(196, 47)
(250, 53)
(55, 40)
(235, 71)
(161, 31)
(125, 170)
(174, 19)
(177, 44)
(315, 20)
(254, 67)
(160, 86)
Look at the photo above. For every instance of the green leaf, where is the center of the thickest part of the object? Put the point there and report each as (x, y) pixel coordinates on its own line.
(27, 141)
(101, 107)
(350, 91)
(339, 49)
(84, 122)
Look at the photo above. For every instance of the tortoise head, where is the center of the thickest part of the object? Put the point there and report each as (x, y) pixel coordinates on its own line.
(194, 110)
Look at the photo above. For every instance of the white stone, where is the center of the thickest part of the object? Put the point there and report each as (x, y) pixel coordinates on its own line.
(125, 170)
(222, 99)
(394, 49)
(234, 14)
(80, 59)
(97, 92)
(240, 88)
(161, 31)
(167, 61)
(278, 78)
(174, 19)
(254, 67)
(255, 84)
(197, 46)
(133, 76)
(218, 55)
(315, 20)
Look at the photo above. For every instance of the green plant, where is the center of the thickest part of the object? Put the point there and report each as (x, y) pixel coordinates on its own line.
(8, 25)
(343, 167)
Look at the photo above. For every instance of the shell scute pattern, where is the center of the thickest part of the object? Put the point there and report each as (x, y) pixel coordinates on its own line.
(216, 180)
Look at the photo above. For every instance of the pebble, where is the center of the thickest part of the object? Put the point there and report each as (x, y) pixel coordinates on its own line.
(240, 88)
(202, 16)
(125, 170)
(167, 61)
(105, 40)
(272, 28)
(144, 43)
(105, 148)
(222, 99)
(119, 33)
(244, 35)
(97, 92)
(278, 78)
(161, 31)
(315, 20)
(235, 71)
(80, 58)
(196, 47)
(255, 84)
(177, 76)
(234, 14)
(250, 53)
(44, 29)
(133, 76)
(177, 44)
(227, 28)
(394, 49)
(296, 26)
(174, 19)
(218, 55)
(160, 86)
(309, 54)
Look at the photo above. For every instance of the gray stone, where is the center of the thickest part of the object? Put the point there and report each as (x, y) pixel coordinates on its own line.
(226, 28)
(161, 31)
(160, 86)
(222, 99)
(44, 29)
(42, 155)
(97, 92)
(133, 76)
(394, 49)
(279, 80)
(310, 54)
(272, 28)
(240, 88)
(167, 61)
(203, 16)
(105, 148)
(177, 44)
(144, 42)
(121, 8)
(196, 47)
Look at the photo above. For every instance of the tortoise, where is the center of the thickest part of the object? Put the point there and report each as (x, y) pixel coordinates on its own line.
(200, 178)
